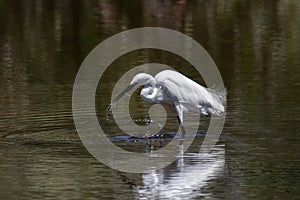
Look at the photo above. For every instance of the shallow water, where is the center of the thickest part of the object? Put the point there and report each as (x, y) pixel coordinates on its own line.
(255, 46)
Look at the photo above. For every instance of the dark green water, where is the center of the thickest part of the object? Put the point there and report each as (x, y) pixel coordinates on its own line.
(255, 44)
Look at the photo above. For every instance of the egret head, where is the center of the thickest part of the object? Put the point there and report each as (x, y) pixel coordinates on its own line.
(138, 80)
(142, 79)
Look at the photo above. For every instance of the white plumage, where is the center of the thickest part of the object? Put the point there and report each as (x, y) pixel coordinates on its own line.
(176, 89)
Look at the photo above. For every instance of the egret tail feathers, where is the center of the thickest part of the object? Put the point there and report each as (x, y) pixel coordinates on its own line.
(218, 101)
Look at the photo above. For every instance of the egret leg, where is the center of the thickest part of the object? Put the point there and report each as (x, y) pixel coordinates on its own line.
(181, 128)
(180, 119)
(181, 147)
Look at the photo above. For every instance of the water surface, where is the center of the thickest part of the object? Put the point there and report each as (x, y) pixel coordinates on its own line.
(255, 44)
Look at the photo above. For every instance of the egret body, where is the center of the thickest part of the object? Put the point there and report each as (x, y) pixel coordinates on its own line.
(184, 94)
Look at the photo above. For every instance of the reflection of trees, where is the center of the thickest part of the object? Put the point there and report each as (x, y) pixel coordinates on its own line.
(168, 14)
(72, 28)
(254, 43)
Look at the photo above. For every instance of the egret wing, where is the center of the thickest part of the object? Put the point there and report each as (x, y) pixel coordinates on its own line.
(189, 94)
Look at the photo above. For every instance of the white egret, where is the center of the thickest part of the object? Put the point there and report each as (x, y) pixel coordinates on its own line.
(184, 94)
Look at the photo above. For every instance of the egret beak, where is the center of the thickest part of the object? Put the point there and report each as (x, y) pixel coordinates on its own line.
(117, 98)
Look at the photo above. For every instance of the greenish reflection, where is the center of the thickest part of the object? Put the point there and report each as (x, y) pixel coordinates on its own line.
(255, 44)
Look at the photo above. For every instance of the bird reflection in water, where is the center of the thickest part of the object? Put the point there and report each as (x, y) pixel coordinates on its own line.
(184, 178)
